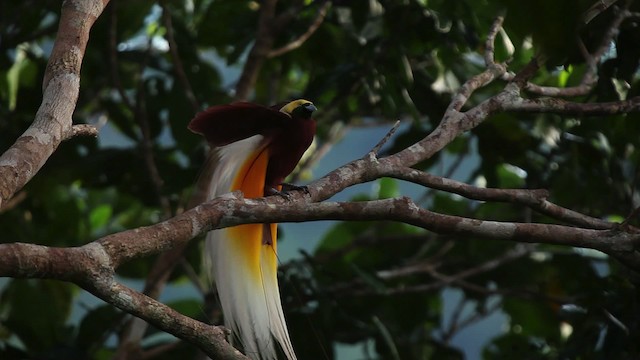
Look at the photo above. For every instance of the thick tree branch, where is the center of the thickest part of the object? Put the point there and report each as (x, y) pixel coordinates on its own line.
(61, 85)
(233, 210)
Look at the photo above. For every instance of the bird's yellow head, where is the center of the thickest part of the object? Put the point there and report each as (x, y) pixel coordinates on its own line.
(299, 108)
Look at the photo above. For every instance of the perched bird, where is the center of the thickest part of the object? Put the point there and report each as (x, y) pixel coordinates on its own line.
(254, 148)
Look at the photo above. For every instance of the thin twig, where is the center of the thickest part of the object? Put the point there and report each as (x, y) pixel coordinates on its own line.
(380, 144)
(322, 13)
(455, 317)
(615, 321)
(147, 142)
(177, 61)
(489, 46)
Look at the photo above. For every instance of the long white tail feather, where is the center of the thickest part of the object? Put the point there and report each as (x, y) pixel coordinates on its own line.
(277, 322)
(250, 303)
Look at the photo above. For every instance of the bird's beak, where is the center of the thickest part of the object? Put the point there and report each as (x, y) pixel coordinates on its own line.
(310, 107)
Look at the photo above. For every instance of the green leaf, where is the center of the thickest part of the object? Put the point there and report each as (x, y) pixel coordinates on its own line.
(100, 216)
(13, 76)
(388, 188)
(511, 176)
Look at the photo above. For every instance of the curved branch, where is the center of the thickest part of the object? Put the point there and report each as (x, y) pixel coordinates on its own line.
(322, 13)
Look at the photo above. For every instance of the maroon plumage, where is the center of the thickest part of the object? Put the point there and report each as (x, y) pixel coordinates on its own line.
(288, 131)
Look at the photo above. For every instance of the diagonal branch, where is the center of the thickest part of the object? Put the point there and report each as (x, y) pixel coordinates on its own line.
(322, 13)
(61, 86)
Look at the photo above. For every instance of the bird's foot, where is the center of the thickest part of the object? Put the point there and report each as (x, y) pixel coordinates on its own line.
(293, 187)
(286, 189)
(283, 194)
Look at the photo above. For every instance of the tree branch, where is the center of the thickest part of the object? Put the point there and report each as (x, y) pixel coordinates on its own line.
(259, 51)
(590, 77)
(82, 130)
(322, 13)
(61, 85)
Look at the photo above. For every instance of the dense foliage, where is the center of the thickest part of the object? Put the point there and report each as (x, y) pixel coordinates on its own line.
(381, 285)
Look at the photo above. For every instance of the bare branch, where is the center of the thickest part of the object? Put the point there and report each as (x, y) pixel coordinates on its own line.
(489, 46)
(521, 196)
(82, 130)
(380, 144)
(461, 96)
(210, 339)
(60, 86)
(230, 211)
(533, 198)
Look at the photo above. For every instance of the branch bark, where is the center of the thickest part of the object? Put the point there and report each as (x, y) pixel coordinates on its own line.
(60, 88)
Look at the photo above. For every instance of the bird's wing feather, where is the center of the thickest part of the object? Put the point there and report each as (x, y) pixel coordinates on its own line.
(221, 126)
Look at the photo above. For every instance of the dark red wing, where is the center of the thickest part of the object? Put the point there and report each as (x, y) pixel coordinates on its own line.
(224, 124)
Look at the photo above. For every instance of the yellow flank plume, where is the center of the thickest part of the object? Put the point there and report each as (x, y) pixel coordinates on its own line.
(248, 238)
(241, 260)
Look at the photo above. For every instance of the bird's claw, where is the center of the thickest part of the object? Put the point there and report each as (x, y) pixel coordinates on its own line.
(285, 195)
(286, 188)
(292, 187)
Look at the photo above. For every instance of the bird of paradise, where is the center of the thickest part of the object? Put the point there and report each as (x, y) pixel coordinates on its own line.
(253, 149)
